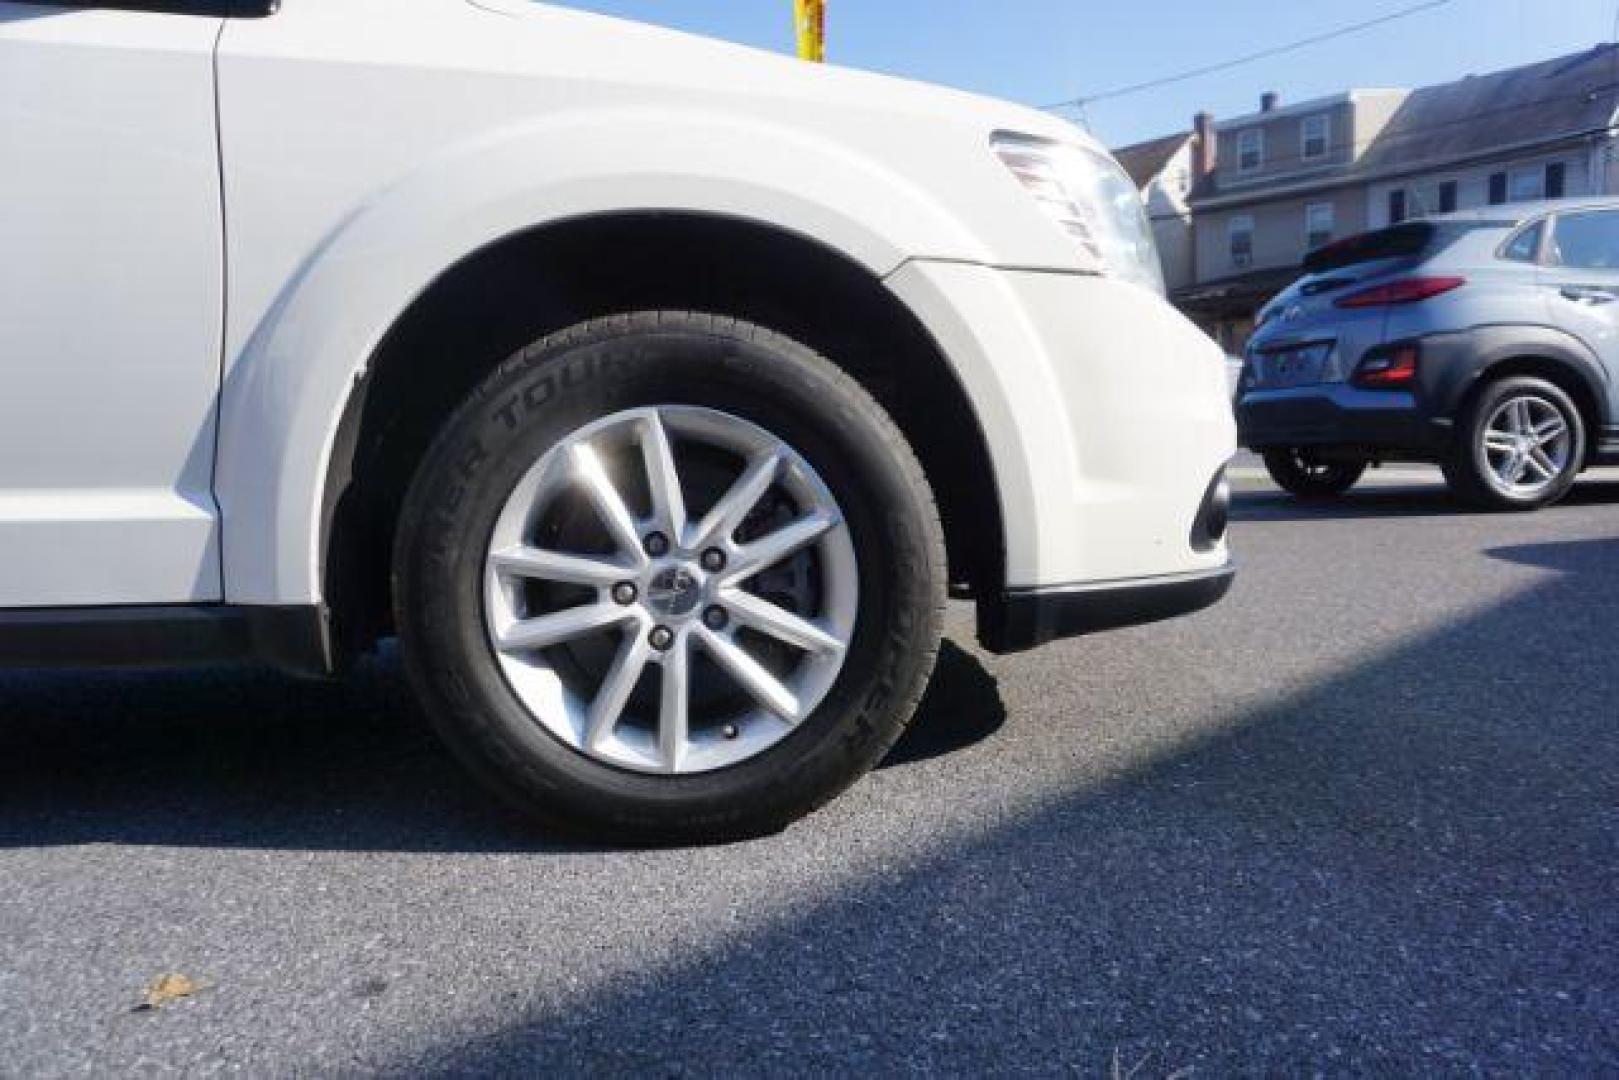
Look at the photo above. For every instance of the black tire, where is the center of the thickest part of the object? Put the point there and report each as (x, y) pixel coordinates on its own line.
(1301, 473)
(602, 367)
(1467, 467)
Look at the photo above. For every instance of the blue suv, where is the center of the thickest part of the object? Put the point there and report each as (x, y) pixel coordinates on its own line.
(1486, 342)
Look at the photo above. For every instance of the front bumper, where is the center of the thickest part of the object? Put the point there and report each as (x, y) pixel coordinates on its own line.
(1028, 618)
(1105, 413)
(1107, 416)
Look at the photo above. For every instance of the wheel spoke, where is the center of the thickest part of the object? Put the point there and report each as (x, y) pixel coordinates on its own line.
(720, 523)
(749, 674)
(668, 503)
(591, 474)
(675, 701)
(615, 690)
(1499, 441)
(560, 626)
(1542, 464)
(769, 550)
(779, 623)
(1514, 417)
(1549, 430)
(540, 565)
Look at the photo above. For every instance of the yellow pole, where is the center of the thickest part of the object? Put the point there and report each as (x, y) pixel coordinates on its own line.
(811, 29)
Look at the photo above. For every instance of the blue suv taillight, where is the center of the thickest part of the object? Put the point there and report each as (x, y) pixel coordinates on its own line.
(1388, 369)
(1405, 291)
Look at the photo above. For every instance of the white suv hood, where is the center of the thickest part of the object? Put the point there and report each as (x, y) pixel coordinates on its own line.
(702, 64)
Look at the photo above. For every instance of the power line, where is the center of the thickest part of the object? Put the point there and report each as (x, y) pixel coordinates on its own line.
(1263, 54)
(1402, 136)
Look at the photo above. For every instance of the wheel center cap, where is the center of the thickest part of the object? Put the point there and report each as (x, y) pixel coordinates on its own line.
(674, 592)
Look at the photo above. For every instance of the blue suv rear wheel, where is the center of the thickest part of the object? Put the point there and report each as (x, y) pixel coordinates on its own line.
(1307, 474)
(1520, 443)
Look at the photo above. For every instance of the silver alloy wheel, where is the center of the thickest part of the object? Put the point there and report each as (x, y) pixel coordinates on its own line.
(671, 590)
(1527, 445)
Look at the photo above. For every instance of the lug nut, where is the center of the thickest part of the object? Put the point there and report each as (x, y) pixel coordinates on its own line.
(657, 545)
(715, 618)
(624, 593)
(662, 638)
(730, 731)
(713, 560)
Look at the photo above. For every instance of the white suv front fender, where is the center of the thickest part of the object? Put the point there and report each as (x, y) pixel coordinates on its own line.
(301, 337)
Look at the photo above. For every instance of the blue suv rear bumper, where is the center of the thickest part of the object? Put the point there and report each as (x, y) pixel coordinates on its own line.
(1418, 422)
(1340, 415)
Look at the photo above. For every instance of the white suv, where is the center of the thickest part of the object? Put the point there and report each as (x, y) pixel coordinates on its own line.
(653, 390)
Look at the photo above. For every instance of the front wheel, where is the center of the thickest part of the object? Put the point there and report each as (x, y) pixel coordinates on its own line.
(1519, 445)
(1305, 474)
(670, 577)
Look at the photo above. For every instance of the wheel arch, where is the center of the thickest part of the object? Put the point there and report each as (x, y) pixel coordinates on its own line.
(308, 314)
(533, 282)
(1540, 352)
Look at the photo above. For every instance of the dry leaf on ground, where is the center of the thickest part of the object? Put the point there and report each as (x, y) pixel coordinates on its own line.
(165, 989)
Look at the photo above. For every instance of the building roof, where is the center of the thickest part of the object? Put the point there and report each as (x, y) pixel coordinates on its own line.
(1297, 108)
(1515, 110)
(1478, 114)
(1144, 161)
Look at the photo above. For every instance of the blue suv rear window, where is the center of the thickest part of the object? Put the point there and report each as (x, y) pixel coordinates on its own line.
(1400, 242)
(1408, 240)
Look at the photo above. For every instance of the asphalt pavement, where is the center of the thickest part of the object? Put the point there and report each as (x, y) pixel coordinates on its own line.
(1363, 817)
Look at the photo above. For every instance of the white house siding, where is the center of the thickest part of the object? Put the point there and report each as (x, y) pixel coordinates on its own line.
(1279, 231)
(1585, 171)
(1172, 218)
(1606, 164)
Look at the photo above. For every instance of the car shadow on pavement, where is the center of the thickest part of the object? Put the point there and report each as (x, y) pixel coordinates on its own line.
(962, 707)
(1408, 868)
(1390, 501)
(234, 758)
(246, 758)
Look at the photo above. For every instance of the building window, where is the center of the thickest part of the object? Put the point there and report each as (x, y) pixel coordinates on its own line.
(1318, 225)
(1422, 200)
(1556, 180)
(1251, 149)
(1316, 135)
(1241, 232)
(1498, 188)
(1396, 206)
(1528, 184)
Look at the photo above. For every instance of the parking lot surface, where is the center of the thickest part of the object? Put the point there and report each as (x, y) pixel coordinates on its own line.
(1361, 817)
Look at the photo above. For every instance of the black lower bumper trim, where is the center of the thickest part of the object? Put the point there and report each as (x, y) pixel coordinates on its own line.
(1023, 619)
(295, 639)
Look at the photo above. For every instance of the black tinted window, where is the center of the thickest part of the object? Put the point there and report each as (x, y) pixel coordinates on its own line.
(1401, 242)
(1587, 241)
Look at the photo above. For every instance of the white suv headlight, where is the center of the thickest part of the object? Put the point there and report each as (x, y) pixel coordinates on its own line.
(1092, 200)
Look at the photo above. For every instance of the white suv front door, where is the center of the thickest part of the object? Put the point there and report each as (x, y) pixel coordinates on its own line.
(111, 297)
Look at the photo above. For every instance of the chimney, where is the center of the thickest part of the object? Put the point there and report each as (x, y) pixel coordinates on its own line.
(1269, 100)
(1205, 150)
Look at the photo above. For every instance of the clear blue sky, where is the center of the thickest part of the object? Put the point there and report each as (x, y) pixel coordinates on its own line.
(1040, 51)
